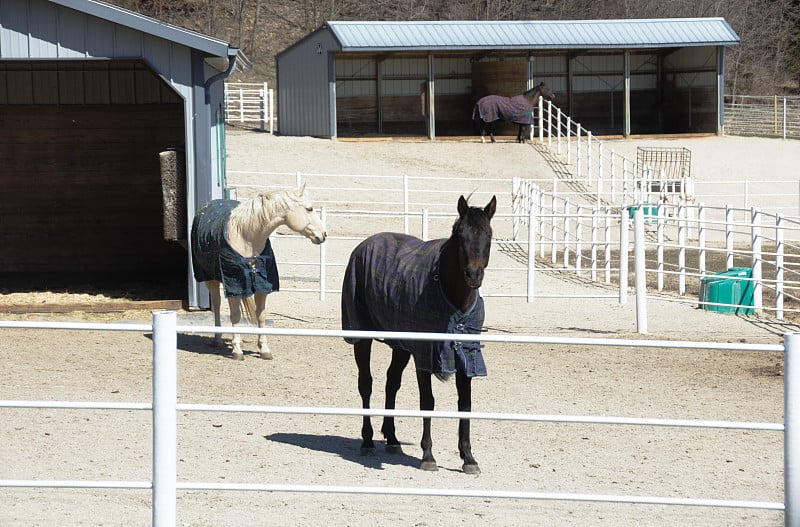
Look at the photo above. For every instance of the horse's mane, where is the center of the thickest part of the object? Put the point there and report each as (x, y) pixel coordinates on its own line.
(252, 215)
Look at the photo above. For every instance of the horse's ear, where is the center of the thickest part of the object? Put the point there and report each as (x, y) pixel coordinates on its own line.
(463, 206)
(491, 207)
(302, 189)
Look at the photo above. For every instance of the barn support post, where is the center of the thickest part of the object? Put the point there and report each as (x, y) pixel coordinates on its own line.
(791, 422)
(627, 96)
(431, 96)
(640, 271)
(720, 90)
(165, 428)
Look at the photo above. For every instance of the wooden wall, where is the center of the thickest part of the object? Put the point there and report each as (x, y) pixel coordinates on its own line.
(82, 189)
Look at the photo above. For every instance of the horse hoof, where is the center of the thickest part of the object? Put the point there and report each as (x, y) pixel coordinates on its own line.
(265, 355)
(429, 466)
(471, 469)
(237, 356)
(394, 449)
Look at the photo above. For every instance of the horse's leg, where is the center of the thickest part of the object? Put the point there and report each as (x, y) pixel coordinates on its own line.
(394, 377)
(213, 292)
(464, 388)
(362, 350)
(426, 402)
(261, 317)
(235, 306)
(483, 132)
(490, 126)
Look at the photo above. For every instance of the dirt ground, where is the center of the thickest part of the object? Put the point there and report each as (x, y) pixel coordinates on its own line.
(321, 450)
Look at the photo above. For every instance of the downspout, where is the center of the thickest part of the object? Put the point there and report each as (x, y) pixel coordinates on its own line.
(221, 75)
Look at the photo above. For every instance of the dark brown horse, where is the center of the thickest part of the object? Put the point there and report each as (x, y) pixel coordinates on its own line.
(395, 282)
(518, 110)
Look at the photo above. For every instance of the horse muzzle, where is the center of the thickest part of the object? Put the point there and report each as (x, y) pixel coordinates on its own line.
(473, 276)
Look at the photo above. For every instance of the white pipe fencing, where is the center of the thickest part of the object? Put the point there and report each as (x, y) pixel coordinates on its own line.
(615, 179)
(250, 102)
(165, 407)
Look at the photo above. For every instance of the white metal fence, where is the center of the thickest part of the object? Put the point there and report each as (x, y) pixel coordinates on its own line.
(685, 244)
(776, 116)
(250, 104)
(164, 407)
(601, 175)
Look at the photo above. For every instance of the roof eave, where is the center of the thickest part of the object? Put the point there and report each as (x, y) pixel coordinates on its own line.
(151, 26)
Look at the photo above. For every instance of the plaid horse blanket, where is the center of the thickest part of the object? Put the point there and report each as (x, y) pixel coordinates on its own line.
(392, 284)
(492, 108)
(214, 259)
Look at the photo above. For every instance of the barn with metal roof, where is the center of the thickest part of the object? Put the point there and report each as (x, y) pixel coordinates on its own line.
(111, 135)
(624, 77)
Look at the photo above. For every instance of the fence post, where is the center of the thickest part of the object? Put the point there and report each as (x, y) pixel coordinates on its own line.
(541, 120)
(791, 422)
(640, 276)
(779, 252)
(756, 259)
(531, 253)
(701, 237)
(660, 224)
(728, 236)
(515, 206)
(681, 249)
(579, 239)
(623, 256)
(322, 270)
(262, 111)
(165, 428)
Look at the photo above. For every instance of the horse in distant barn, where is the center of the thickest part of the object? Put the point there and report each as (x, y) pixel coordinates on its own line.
(518, 110)
(396, 282)
(230, 246)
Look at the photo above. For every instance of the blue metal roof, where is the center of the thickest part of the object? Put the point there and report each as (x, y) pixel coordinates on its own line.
(533, 34)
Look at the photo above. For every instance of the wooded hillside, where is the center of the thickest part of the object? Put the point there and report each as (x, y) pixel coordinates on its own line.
(767, 62)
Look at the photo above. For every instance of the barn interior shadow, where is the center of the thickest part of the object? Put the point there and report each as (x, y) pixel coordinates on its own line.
(347, 448)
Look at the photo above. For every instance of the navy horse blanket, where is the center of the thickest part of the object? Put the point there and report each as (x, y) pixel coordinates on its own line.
(214, 259)
(392, 284)
(493, 108)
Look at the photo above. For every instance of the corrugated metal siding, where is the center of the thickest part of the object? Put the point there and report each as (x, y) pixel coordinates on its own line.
(537, 34)
(303, 91)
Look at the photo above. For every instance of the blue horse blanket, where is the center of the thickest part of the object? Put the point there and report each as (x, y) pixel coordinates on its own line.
(493, 108)
(214, 259)
(392, 284)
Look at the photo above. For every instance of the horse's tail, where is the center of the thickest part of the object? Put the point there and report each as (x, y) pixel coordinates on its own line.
(248, 305)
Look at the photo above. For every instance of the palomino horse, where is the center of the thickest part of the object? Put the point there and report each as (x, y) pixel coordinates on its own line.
(518, 110)
(395, 282)
(230, 246)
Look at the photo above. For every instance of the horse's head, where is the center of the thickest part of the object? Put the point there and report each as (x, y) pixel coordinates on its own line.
(300, 216)
(472, 234)
(540, 90)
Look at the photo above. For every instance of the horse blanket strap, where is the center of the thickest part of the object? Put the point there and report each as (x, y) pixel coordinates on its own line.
(392, 284)
(515, 109)
(214, 259)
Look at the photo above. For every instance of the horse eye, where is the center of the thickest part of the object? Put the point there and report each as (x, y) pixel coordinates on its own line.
(310, 209)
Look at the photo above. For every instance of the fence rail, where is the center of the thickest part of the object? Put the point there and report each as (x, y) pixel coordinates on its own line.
(164, 407)
(776, 116)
